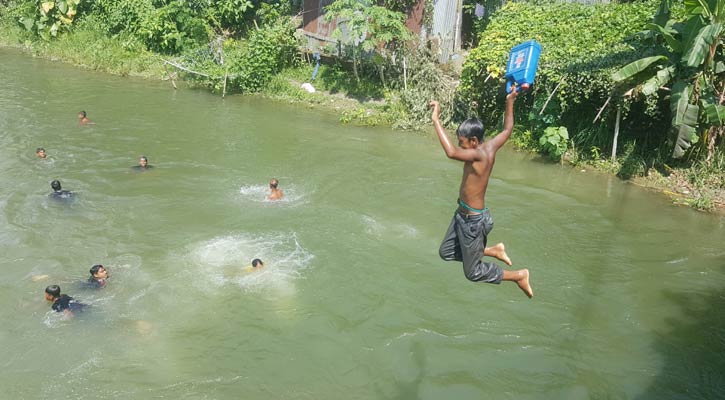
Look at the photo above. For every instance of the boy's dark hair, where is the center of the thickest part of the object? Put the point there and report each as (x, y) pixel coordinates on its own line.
(55, 185)
(470, 128)
(274, 183)
(257, 262)
(95, 268)
(53, 290)
(39, 149)
(83, 113)
(144, 158)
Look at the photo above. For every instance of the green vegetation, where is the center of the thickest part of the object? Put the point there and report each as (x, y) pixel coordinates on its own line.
(368, 26)
(603, 68)
(554, 141)
(690, 61)
(577, 88)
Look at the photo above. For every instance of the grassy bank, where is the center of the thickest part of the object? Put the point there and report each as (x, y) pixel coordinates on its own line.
(698, 185)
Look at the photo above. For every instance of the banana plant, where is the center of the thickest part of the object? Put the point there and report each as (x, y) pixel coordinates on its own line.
(690, 64)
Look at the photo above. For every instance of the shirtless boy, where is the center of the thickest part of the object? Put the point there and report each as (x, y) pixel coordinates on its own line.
(274, 192)
(83, 119)
(466, 237)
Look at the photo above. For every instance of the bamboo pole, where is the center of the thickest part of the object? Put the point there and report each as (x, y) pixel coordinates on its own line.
(170, 77)
(599, 114)
(552, 95)
(616, 133)
(405, 75)
(224, 90)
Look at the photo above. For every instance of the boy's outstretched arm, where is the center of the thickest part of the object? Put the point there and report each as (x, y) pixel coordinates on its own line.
(508, 122)
(452, 151)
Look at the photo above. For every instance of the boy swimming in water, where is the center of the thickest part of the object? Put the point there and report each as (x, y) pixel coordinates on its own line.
(143, 164)
(274, 192)
(466, 237)
(62, 302)
(83, 119)
(257, 264)
(99, 276)
(58, 192)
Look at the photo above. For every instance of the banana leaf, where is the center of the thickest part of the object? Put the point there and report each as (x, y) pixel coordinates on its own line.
(668, 34)
(635, 67)
(714, 113)
(696, 7)
(663, 77)
(663, 13)
(685, 137)
(684, 118)
(700, 47)
(679, 101)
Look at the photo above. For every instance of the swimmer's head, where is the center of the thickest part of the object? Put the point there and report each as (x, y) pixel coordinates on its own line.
(257, 263)
(55, 185)
(40, 152)
(273, 183)
(143, 161)
(471, 130)
(52, 292)
(98, 271)
(81, 114)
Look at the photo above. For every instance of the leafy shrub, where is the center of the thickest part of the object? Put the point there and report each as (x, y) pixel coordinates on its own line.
(48, 18)
(581, 46)
(173, 27)
(268, 50)
(118, 16)
(554, 141)
(426, 82)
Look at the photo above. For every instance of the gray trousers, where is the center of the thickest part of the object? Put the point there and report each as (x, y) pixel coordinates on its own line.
(465, 241)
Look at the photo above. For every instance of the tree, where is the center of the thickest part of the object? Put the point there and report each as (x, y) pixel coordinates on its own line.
(367, 26)
(691, 63)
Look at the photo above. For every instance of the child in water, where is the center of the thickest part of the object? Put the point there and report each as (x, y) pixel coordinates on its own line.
(467, 233)
(257, 264)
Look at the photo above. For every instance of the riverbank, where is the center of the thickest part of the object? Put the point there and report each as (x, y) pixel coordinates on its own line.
(691, 186)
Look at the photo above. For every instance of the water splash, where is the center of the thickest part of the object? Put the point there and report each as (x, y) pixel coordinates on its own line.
(225, 260)
(293, 195)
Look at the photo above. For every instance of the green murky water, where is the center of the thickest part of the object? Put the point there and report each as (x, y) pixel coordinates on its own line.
(354, 302)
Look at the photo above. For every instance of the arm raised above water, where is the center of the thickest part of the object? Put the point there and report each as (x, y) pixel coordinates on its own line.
(508, 123)
(451, 150)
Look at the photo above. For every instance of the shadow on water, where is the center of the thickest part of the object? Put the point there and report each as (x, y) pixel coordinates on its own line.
(409, 389)
(692, 350)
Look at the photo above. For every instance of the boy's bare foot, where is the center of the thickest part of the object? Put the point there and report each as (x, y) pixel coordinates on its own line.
(521, 277)
(524, 283)
(498, 251)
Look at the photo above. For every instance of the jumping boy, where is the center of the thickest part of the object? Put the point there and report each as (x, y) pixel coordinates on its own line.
(466, 237)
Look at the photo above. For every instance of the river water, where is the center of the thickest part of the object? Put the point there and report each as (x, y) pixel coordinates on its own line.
(354, 302)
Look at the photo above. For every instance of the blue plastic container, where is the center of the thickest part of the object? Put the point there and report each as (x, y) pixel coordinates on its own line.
(522, 64)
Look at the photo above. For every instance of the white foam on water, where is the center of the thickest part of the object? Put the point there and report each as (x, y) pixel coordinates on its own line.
(222, 260)
(378, 229)
(293, 195)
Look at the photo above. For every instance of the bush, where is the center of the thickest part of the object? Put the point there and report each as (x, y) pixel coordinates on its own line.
(118, 16)
(581, 46)
(49, 18)
(554, 141)
(268, 50)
